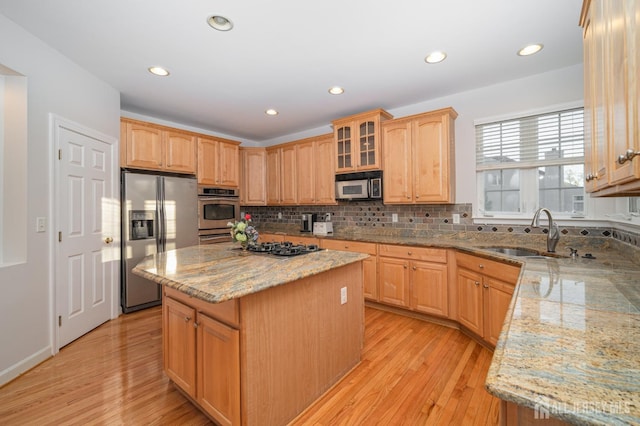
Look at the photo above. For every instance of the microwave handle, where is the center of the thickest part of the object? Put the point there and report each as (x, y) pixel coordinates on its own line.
(370, 188)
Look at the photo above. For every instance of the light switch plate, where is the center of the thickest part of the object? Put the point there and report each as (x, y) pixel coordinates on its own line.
(456, 218)
(394, 217)
(41, 224)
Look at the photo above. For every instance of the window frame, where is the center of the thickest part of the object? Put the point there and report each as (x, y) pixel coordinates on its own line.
(528, 188)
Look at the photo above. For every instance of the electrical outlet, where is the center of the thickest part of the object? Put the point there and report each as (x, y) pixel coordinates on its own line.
(41, 224)
(343, 295)
(394, 217)
(456, 218)
(327, 217)
(279, 215)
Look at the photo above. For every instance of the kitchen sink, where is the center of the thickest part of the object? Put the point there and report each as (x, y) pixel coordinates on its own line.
(512, 251)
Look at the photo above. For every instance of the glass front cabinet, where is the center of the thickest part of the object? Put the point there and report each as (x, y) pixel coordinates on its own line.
(358, 141)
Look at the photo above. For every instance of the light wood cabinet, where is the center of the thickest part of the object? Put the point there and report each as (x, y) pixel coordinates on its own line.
(485, 288)
(218, 162)
(315, 171)
(253, 177)
(418, 155)
(414, 277)
(202, 353)
(281, 175)
(357, 141)
(369, 265)
(611, 38)
(152, 147)
(273, 176)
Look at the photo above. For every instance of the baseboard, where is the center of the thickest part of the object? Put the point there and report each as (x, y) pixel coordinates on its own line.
(25, 365)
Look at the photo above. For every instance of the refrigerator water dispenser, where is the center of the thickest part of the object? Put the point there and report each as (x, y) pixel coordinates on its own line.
(142, 224)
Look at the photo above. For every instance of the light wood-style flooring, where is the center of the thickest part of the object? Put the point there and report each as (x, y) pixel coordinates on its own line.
(412, 373)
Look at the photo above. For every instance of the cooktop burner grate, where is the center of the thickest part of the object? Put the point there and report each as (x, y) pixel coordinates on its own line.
(286, 248)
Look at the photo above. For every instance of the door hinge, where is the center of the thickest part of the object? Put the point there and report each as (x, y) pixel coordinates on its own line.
(59, 236)
(59, 320)
(59, 154)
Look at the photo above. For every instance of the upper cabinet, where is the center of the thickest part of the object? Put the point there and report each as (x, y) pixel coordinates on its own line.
(418, 156)
(357, 141)
(316, 170)
(611, 43)
(152, 147)
(218, 162)
(281, 175)
(253, 176)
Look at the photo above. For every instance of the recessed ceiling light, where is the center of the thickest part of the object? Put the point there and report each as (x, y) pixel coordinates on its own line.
(530, 49)
(219, 23)
(435, 57)
(336, 90)
(271, 111)
(162, 72)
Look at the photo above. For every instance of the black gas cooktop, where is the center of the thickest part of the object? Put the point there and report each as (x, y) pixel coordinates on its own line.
(283, 249)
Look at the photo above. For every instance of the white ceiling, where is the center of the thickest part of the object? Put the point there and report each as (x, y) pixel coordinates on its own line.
(285, 54)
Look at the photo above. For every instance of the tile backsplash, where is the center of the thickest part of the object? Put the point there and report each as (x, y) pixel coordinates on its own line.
(373, 217)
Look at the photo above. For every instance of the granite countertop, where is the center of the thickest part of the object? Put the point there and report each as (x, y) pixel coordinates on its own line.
(570, 344)
(219, 272)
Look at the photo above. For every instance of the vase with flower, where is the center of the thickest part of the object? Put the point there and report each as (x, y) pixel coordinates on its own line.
(244, 232)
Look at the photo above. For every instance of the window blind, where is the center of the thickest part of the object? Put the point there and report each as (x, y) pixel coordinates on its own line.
(535, 141)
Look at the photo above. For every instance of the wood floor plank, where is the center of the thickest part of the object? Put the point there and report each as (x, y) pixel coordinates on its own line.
(412, 373)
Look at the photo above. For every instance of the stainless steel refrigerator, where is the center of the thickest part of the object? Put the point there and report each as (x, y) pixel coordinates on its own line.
(159, 213)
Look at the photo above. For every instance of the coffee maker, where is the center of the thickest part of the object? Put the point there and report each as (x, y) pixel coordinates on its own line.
(307, 221)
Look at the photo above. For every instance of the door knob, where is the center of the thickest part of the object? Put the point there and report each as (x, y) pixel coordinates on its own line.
(108, 240)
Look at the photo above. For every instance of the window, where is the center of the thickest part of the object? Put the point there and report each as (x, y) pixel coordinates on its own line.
(530, 162)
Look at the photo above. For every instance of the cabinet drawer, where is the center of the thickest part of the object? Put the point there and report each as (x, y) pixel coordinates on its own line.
(302, 240)
(355, 246)
(226, 312)
(417, 253)
(492, 268)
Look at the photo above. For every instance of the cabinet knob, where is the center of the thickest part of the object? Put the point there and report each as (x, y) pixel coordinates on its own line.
(409, 253)
(589, 177)
(405, 266)
(417, 196)
(187, 319)
(481, 266)
(414, 268)
(195, 325)
(477, 283)
(629, 155)
(485, 286)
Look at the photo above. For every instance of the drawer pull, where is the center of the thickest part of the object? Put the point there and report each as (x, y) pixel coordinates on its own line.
(481, 266)
(409, 253)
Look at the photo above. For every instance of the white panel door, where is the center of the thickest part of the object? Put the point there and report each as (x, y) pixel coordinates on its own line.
(85, 209)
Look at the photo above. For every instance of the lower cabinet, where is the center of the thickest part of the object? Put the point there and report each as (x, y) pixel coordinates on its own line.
(413, 277)
(202, 354)
(485, 288)
(369, 265)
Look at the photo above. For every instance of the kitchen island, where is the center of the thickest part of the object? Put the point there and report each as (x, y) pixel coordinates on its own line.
(252, 338)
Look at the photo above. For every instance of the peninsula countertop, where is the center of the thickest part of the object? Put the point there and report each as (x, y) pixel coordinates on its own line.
(219, 272)
(570, 343)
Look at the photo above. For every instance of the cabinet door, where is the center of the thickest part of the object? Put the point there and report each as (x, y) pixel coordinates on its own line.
(429, 288)
(430, 158)
(288, 192)
(305, 173)
(219, 370)
(207, 167)
(179, 341)
(273, 176)
(344, 135)
(145, 147)
(394, 281)
(324, 172)
(397, 162)
(497, 297)
(470, 300)
(599, 98)
(180, 152)
(228, 164)
(368, 149)
(254, 177)
(623, 100)
(370, 278)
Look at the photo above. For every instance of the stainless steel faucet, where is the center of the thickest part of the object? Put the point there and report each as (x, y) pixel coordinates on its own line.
(553, 236)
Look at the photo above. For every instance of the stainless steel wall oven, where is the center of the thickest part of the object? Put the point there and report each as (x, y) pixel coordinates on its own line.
(216, 207)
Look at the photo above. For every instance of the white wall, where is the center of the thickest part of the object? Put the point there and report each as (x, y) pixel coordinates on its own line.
(55, 85)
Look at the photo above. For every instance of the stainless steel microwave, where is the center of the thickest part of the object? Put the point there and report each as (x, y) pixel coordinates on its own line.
(359, 186)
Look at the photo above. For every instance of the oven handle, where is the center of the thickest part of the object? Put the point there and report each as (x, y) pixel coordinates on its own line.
(210, 198)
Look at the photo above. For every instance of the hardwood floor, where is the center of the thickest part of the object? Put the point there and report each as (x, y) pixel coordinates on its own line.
(412, 373)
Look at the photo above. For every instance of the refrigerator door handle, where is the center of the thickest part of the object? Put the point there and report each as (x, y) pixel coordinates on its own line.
(160, 216)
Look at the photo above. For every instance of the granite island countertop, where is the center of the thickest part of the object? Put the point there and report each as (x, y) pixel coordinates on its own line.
(219, 272)
(570, 343)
